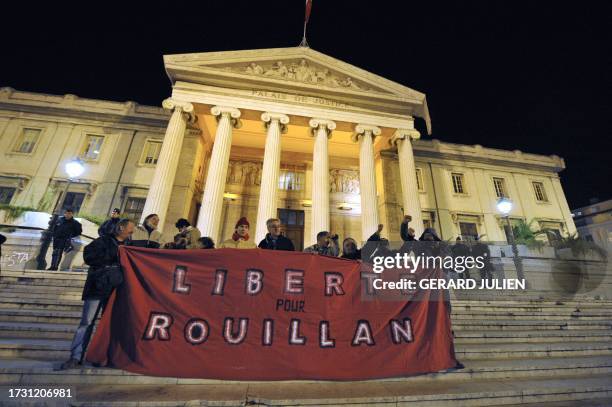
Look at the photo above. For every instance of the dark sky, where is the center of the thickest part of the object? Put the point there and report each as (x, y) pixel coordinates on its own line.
(533, 76)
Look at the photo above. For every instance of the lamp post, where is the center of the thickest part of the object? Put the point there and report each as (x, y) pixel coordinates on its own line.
(504, 206)
(74, 168)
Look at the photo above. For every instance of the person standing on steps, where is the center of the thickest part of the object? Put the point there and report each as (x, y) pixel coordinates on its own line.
(65, 229)
(109, 225)
(240, 238)
(103, 276)
(147, 235)
(274, 240)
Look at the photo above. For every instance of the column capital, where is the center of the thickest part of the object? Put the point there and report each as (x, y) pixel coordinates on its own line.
(185, 107)
(283, 120)
(328, 125)
(404, 134)
(365, 129)
(231, 112)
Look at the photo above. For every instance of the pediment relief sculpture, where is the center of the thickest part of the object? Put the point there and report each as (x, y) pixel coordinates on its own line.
(301, 71)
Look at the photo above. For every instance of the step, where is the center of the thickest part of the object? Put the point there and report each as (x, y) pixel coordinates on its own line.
(71, 284)
(526, 316)
(28, 371)
(14, 301)
(73, 317)
(509, 325)
(41, 316)
(429, 394)
(60, 295)
(57, 349)
(531, 350)
(40, 303)
(38, 330)
(548, 336)
(43, 274)
(65, 331)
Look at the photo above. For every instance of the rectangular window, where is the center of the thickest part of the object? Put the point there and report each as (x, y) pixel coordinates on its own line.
(6, 195)
(500, 187)
(133, 208)
(74, 201)
(27, 141)
(419, 179)
(92, 147)
(151, 152)
(468, 230)
(540, 192)
(458, 184)
(291, 180)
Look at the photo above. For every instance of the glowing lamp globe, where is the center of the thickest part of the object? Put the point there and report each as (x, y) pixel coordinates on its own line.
(504, 206)
(74, 168)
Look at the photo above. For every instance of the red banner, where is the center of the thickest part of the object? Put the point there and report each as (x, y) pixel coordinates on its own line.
(264, 315)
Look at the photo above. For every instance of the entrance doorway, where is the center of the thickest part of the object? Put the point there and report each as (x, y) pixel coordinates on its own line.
(292, 223)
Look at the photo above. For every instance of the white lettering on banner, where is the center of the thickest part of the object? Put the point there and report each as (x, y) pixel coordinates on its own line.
(197, 331)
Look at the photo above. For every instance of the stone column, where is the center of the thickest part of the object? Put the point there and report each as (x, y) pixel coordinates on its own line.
(276, 124)
(160, 190)
(410, 190)
(212, 200)
(365, 134)
(321, 130)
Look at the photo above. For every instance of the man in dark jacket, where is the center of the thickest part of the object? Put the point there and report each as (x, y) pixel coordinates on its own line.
(406, 232)
(108, 226)
(460, 249)
(274, 240)
(327, 245)
(102, 252)
(481, 249)
(65, 229)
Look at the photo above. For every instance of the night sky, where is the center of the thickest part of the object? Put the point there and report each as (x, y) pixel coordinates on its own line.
(533, 76)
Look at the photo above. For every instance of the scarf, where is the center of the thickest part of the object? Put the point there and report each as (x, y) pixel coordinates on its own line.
(236, 237)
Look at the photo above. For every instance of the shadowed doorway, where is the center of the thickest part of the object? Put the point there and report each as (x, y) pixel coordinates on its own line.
(292, 222)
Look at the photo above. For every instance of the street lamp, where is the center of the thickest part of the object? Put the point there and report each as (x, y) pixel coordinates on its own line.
(74, 168)
(504, 206)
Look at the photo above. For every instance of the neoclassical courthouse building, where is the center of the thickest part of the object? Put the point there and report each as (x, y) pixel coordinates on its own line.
(289, 133)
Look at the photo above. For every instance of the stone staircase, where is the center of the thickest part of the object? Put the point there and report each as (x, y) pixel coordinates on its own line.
(517, 350)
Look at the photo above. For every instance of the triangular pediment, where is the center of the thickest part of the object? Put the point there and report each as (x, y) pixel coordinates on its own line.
(299, 70)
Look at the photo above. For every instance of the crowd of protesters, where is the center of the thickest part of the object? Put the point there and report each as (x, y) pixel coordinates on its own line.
(104, 274)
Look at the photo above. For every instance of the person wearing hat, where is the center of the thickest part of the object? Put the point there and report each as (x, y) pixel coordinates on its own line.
(240, 238)
(108, 227)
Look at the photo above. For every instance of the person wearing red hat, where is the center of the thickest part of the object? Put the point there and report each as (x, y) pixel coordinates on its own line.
(240, 238)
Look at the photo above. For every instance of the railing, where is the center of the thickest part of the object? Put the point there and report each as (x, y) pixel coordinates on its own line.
(23, 244)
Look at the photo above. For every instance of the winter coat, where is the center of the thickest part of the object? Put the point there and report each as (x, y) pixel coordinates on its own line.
(331, 249)
(352, 256)
(143, 238)
(281, 243)
(404, 233)
(104, 251)
(66, 229)
(108, 227)
(237, 244)
(191, 235)
(460, 250)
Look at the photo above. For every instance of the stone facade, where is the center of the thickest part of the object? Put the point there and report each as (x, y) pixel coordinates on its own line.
(324, 128)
